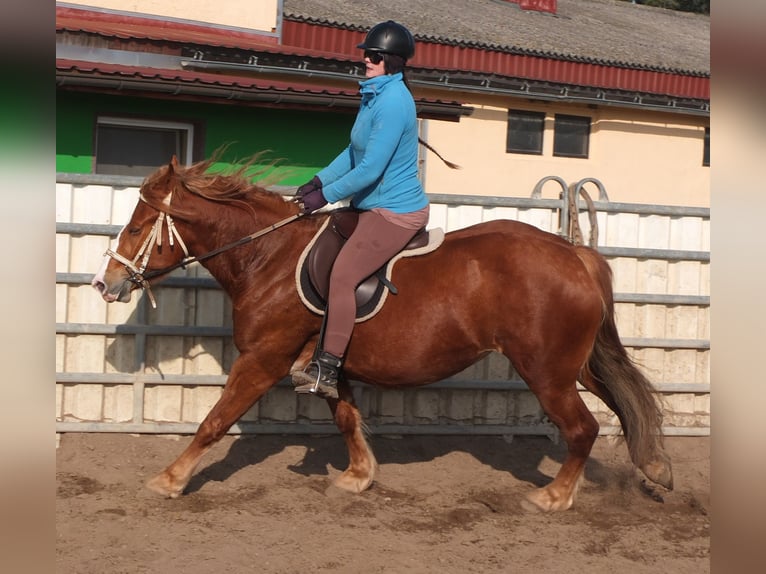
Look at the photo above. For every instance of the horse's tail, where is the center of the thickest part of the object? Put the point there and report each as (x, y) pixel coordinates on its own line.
(612, 376)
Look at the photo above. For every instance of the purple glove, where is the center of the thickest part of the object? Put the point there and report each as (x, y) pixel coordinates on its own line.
(313, 200)
(308, 187)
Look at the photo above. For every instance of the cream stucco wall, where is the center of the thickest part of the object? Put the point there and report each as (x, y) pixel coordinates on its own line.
(639, 156)
(258, 15)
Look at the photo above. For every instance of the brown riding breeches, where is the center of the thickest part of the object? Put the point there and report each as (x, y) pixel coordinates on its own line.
(374, 241)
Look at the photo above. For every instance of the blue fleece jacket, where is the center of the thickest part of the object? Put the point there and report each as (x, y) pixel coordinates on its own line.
(379, 167)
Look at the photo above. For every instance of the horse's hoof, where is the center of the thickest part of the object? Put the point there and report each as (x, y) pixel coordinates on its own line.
(161, 485)
(541, 500)
(352, 483)
(530, 506)
(659, 471)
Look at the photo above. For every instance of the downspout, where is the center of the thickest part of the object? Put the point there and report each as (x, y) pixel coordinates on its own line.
(422, 152)
(280, 16)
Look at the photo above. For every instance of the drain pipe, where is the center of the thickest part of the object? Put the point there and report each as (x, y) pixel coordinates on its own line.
(422, 152)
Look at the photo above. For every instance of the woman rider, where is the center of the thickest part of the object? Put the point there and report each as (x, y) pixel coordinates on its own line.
(378, 171)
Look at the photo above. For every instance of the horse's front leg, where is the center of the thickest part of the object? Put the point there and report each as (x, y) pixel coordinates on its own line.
(362, 464)
(246, 384)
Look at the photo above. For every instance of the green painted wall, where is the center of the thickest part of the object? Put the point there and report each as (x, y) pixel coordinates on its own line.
(302, 142)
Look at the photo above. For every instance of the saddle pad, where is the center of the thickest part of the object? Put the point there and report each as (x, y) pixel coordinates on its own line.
(314, 302)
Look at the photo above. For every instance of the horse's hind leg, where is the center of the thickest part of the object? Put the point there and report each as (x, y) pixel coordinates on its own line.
(563, 405)
(245, 385)
(362, 464)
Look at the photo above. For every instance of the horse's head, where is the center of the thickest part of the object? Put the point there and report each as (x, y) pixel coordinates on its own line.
(200, 201)
(147, 245)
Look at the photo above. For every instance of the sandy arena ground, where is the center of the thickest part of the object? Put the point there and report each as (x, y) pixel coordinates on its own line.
(440, 504)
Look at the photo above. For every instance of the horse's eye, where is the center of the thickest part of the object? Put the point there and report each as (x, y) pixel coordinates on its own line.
(134, 230)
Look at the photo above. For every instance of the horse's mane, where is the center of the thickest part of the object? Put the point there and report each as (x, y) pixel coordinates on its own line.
(236, 183)
(238, 186)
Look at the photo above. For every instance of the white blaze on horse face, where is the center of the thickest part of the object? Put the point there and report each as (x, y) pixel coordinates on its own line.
(98, 282)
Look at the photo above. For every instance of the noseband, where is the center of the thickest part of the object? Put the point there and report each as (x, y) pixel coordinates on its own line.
(138, 275)
(154, 238)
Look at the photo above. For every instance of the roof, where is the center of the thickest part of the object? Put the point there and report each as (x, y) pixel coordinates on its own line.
(513, 72)
(610, 32)
(317, 58)
(231, 88)
(155, 62)
(181, 77)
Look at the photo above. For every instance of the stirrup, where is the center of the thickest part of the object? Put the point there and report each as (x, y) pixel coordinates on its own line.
(320, 377)
(307, 383)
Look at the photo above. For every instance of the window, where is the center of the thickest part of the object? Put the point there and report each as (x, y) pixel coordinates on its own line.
(571, 135)
(127, 146)
(706, 148)
(525, 132)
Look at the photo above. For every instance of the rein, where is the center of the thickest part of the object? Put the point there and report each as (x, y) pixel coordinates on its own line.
(247, 239)
(138, 274)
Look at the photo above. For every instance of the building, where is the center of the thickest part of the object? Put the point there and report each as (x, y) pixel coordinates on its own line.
(513, 92)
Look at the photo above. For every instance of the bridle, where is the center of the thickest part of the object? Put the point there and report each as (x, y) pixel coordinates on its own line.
(139, 276)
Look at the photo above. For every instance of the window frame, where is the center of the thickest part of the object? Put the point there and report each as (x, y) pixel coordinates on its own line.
(527, 114)
(706, 148)
(111, 120)
(556, 135)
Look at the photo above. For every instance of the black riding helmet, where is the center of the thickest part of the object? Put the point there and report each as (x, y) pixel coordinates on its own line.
(391, 38)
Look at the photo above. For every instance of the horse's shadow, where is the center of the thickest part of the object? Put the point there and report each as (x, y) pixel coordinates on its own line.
(521, 458)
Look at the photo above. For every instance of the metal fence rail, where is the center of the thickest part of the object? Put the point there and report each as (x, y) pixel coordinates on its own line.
(140, 329)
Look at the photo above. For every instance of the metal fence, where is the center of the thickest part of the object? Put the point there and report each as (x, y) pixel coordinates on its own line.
(127, 368)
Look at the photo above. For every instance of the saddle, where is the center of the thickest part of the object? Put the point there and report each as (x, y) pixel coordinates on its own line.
(316, 261)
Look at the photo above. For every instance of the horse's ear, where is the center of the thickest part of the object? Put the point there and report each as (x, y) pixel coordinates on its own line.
(169, 178)
(172, 167)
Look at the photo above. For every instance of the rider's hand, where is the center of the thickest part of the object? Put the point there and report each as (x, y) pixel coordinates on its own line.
(308, 187)
(313, 200)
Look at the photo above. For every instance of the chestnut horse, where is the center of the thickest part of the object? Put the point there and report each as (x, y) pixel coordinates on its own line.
(501, 286)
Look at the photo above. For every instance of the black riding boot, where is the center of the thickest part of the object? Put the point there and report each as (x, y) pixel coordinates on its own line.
(320, 377)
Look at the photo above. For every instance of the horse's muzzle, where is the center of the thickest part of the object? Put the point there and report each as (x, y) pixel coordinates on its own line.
(121, 293)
